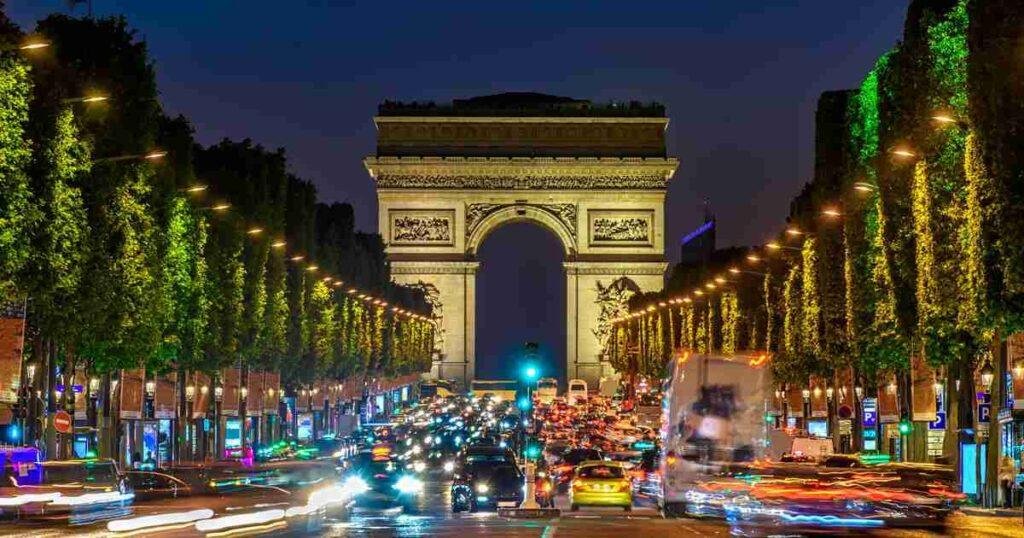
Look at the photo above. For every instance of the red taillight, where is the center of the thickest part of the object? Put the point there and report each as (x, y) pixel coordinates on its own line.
(624, 486)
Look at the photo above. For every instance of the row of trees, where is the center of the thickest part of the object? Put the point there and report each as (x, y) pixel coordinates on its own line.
(908, 241)
(189, 258)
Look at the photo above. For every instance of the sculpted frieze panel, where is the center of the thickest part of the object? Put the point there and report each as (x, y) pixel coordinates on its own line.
(635, 182)
(422, 227)
(621, 228)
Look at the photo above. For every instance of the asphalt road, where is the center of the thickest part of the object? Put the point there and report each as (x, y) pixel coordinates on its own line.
(434, 518)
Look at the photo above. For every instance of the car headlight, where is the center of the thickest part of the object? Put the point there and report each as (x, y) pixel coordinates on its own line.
(355, 485)
(482, 488)
(409, 484)
(449, 466)
(419, 466)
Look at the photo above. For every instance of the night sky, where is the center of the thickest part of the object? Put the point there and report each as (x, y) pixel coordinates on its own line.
(739, 78)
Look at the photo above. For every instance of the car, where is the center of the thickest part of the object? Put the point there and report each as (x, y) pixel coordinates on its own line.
(563, 470)
(600, 483)
(80, 491)
(158, 484)
(378, 481)
(480, 484)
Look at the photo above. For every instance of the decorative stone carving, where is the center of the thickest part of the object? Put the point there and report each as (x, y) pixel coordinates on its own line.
(422, 227)
(612, 300)
(565, 213)
(522, 183)
(521, 173)
(620, 228)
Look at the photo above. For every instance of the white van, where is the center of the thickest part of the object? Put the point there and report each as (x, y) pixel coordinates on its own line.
(713, 416)
(577, 392)
(547, 390)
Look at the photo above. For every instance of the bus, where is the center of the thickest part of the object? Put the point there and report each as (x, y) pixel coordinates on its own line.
(712, 419)
(547, 390)
(501, 388)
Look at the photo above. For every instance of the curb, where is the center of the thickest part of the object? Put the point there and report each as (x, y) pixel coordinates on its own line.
(992, 512)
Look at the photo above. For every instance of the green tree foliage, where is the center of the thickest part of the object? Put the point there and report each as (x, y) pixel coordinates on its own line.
(53, 274)
(15, 156)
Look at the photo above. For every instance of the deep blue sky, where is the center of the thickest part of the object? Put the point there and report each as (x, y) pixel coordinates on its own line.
(740, 80)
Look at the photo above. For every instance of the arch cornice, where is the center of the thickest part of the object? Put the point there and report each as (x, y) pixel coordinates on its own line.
(495, 216)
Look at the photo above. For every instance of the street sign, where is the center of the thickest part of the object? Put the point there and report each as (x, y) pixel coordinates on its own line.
(845, 427)
(940, 421)
(870, 413)
(984, 413)
(62, 422)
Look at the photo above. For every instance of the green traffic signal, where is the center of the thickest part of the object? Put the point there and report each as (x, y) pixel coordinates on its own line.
(906, 427)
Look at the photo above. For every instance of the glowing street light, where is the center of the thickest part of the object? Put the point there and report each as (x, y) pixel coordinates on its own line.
(297, 258)
(34, 45)
(254, 231)
(753, 258)
(864, 186)
(221, 207)
(153, 155)
(196, 188)
(903, 152)
(831, 212)
(278, 244)
(793, 231)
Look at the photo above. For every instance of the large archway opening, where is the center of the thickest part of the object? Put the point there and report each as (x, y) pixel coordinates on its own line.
(520, 298)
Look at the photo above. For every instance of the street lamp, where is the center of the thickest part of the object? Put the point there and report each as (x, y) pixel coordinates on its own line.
(218, 393)
(806, 394)
(190, 392)
(988, 374)
(150, 388)
(243, 392)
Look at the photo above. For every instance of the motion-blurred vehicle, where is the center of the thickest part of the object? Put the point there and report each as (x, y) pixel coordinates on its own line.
(600, 483)
(379, 482)
(714, 408)
(80, 491)
(151, 485)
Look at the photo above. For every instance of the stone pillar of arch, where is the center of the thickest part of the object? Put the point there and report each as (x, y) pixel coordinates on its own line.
(444, 183)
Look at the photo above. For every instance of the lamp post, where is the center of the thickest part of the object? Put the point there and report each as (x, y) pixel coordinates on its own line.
(218, 396)
(530, 374)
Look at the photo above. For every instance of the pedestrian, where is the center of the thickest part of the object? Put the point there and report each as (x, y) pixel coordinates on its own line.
(1007, 476)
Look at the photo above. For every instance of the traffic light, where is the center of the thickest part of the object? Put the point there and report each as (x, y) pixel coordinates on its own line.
(532, 450)
(906, 427)
(524, 403)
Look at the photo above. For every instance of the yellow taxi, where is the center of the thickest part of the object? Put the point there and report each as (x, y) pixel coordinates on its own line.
(601, 483)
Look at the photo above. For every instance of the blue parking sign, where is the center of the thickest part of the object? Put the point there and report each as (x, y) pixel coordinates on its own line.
(939, 423)
(984, 413)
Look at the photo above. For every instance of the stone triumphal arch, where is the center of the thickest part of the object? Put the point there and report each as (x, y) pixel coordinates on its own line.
(595, 176)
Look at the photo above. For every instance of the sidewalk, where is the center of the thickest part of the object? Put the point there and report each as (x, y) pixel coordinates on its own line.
(991, 512)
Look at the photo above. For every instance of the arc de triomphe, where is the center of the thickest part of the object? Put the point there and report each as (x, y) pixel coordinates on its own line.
(596, 177)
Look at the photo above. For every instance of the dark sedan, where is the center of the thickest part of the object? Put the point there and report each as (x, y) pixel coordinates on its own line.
(486, 479)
